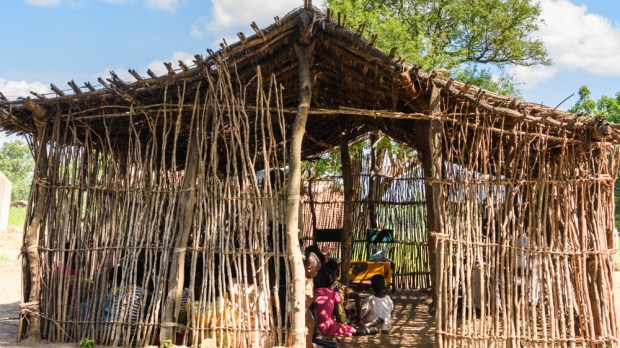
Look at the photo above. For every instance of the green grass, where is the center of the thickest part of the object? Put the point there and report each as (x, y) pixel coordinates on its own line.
(17, 216)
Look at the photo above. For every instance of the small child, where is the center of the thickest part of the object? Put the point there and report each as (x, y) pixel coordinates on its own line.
(326, 299)
(378, 307)
(345, 293)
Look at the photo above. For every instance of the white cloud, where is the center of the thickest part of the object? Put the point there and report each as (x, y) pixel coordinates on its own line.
(44, 3)
(122, 73)
(14, 89)
(580, 40)
(232, 16)
(533, 76)
(200, 27)
(157, 66)
(165, 5)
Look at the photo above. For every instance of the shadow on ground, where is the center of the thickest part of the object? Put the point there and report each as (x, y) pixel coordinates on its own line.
(8, 323)
(412, 324)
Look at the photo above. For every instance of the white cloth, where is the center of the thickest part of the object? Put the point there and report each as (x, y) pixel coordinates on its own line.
(378, 307)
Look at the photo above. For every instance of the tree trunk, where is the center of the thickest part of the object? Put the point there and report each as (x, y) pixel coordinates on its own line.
(31, 308)
(170, 310)
(372, 186)
(304, 51)
(429, 145)
(347, 223)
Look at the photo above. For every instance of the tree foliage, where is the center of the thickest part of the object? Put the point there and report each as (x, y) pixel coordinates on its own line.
(448, 33)
(17, 164)
(608, 107)
(458, 35)
(475, 39)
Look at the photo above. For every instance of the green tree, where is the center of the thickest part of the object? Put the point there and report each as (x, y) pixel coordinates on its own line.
(459, 35)
(17, 164)
(608, 107)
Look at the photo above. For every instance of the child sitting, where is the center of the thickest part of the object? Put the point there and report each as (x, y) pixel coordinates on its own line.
(326, 299)
(345, 293)
(378, 307)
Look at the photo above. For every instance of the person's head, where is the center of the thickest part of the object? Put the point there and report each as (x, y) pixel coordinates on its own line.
(324, 278)
(313, 260)
(311, 265)
(334, 267)
(377, 282)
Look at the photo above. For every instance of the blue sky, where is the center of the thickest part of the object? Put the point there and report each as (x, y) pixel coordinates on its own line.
(55, 41)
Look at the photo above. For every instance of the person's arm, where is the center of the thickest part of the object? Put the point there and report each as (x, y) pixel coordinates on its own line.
(358, 304)
(336, 312)
(367, 307)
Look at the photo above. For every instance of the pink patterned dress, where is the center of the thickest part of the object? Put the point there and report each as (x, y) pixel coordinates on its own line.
(326, 299)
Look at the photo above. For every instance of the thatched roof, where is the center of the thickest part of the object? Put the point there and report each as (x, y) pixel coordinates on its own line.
(353, 82)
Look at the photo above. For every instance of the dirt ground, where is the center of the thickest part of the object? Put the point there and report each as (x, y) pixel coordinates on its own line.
(413, 326)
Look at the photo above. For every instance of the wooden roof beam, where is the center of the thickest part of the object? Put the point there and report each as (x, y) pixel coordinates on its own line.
(74, 87)
(360, 30)
(257, 30)
(393, 52)
(136, 75)
(39, 96)
(89, 86)
(373, 39)
(169, 68)
(3, 98)
(151, 74)
(198, 59)
(342, 20)
(103, 83)
(241, 37)
(183, 66)
(37, 110)
(116, 80)
(57, 90)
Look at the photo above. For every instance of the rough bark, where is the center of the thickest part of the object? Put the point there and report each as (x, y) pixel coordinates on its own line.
(31, 307)
(304, 52)
(170, 310)
(347, 223)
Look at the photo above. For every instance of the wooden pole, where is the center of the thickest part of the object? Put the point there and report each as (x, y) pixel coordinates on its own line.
(312, 210)
(372, 181)
(347, 221)
(430, 146)
(187, 204)
(304, 50)
(32, 307)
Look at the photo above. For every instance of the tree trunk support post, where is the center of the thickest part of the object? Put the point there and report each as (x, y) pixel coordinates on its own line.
(304, 50)
(347, 221)
(372, 181)
(430, 146)
(30, 308)
(171, 307)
